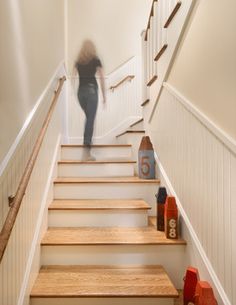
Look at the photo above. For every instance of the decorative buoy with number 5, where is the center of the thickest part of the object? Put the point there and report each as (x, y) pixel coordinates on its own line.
(171, 218)
(146, 160)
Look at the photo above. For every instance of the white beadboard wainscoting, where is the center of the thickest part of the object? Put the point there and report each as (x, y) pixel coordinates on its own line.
(20, 262)
(197, 162)
(121, 110)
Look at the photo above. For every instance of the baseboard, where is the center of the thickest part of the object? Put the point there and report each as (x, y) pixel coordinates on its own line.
(219, 291)
(27, 282)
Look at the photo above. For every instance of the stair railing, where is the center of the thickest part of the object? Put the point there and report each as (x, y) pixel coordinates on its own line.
(159, 41)
(127, 78)
(16, 200)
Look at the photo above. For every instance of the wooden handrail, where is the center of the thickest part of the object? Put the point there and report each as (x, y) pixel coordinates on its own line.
(17, 199)
(127, 78)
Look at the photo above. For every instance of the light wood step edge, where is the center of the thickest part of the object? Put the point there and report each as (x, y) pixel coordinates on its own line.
(172, 15)
(161, 52)
(145, 102)
(99, 204)
(103, 281)
(97, 162)
(130, 131)
(137, 122)
(152, 80)
(107, 236)
(75, 180)
(96, 145)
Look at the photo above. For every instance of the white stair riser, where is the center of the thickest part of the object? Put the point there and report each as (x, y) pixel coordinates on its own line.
(145, 191)
(139, 126)
(130, 138)
(101, 153)
(170, 256)
(97, 218)
(102, 301)
(96, 170)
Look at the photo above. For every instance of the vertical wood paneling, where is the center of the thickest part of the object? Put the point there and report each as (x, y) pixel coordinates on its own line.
(16, 256)
(202, 170)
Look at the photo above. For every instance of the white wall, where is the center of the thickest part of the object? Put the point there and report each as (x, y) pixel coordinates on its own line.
(204, 69)
(114, 25)
(32, 46)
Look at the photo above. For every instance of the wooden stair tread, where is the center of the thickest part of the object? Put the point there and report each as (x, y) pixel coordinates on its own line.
(103, 281)
(152, 80)
(107, 236)
(97, 162)
(132, 179)
(145, 102)
(97, 145)
(97, 204)
(173, 13)
(131, 132)
(161, 52)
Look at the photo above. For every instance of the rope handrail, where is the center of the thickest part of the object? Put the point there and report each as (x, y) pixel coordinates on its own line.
(17, 199)
(127, 78)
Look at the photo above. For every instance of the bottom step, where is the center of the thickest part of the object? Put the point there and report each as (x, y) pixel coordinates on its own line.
(103, 285)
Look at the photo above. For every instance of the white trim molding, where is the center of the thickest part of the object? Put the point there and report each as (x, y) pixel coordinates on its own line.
(216, 130)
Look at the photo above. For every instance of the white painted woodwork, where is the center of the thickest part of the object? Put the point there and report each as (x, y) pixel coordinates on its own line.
(144, 69)
(104, 191)
(123, 103)
(102, 301)
(96, 218)
(101, 152)
(171, 257)
(170, 36)
(201, 167)
(18, 269)
(93, 169)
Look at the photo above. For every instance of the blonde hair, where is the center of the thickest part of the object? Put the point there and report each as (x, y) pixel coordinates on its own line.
(87, 52)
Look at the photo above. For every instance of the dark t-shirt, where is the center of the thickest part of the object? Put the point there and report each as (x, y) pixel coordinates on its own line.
(87, 71)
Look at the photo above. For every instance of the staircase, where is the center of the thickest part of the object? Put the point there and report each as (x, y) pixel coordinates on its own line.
(102, 246)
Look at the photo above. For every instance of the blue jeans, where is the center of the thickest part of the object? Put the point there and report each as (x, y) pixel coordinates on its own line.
(88, 99)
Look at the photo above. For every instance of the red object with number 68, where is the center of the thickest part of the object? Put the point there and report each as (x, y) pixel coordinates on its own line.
(171, 218)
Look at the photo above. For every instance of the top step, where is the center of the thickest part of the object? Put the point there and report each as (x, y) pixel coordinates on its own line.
(101, 152)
